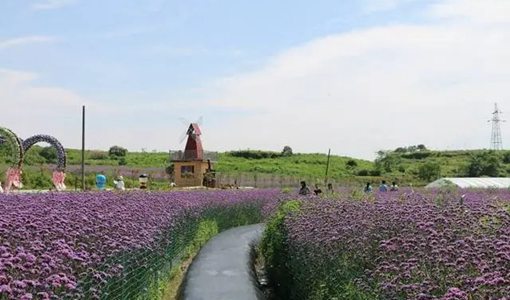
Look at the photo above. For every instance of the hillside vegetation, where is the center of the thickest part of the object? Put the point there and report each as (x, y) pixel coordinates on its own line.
(408, 165)
(423, 165)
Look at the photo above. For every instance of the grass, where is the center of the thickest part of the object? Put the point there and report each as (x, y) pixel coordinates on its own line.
(400, 167)
(170, 290)
(298, 165)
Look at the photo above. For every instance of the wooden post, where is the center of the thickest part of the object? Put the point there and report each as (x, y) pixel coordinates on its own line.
(83, 148)
(327, 169)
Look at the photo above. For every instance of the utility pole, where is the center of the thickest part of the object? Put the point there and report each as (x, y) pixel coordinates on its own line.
(327, 168)
(83, 148)
(496, 142)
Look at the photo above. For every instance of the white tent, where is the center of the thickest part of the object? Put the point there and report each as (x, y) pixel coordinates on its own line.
(468, 182)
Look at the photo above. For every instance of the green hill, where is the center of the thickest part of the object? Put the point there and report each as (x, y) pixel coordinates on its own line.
(296, 165)
(422, 166)
(415, 164)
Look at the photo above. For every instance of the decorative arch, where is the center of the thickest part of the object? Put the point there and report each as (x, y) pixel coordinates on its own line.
(59, 174)
(43, 138)
(13, 174)
(15, 145)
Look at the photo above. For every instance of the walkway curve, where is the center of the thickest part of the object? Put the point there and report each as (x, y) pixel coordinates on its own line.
(222, 270)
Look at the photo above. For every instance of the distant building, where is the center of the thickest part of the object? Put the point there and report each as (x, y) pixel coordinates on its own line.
(191, 168)
(472, 182)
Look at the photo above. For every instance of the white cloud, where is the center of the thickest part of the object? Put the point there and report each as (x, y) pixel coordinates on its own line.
(485, 11)
(52, 4)
(372, 89)
(355, 92)
(371, 6)
(28, 108)
(26, 40)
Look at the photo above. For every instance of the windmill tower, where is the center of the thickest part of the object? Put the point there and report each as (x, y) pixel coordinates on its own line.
(496, 142)
(190, 167)
(194, 149)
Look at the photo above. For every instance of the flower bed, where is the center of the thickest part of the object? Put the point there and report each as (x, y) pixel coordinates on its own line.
(110, 245)
(426, 245)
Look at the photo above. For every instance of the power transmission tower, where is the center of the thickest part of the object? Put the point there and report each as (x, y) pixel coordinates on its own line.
(496, 142)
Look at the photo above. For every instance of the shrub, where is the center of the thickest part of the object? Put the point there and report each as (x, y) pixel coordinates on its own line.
(98, 155)
(375, 172)
(506, 157)
(363, 172)
(484, 164)
(117, 151)
(274, 248)
(49, 153)
(429, 171)
(122, 161)
(417, 155)
(351, 164)
(251, 154)
(37, 180)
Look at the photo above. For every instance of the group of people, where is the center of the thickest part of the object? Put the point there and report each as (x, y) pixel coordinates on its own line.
(383, 187)
(304, 190)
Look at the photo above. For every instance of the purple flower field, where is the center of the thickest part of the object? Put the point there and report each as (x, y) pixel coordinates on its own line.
(107, 245)
(399, 245)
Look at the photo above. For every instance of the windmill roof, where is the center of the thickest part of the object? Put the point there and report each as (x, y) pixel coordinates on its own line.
(195, 128)
(472, 182)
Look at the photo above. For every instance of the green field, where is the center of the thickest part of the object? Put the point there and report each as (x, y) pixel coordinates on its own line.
(406, 166)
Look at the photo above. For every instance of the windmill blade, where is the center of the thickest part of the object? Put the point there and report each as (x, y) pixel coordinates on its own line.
(184, 121)
(183, 137)
(200, 121)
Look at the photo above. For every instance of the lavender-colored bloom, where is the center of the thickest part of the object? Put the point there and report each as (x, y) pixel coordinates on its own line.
(403, 245)
(83, 245)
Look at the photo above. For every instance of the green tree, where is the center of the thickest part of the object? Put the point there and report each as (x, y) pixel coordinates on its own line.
(484, 164)
(387, 161)
(429, 171)
(506, 157)
(117, 151)
(49, 154)
(122, 161)
(351, 164)
(287, 151)
(421, 147)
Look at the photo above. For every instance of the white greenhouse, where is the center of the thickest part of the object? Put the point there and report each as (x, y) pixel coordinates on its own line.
(472, 182)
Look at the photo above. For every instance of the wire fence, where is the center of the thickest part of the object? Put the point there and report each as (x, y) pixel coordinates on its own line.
(265, 180)
(144, 273)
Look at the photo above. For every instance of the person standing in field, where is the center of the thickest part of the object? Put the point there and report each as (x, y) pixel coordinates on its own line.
(317, 190)
(394, 187)
(119, 183)
(304, 190)
(368, 188)
(383, 187)
(330, 188)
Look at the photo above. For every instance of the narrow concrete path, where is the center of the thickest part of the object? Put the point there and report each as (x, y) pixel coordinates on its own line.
(222, 270)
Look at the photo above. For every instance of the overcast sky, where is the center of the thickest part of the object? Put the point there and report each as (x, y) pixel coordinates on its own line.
(354, 76)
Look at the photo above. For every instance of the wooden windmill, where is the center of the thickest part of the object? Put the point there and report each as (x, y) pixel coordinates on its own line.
(190, 167)
(194, 149)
